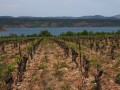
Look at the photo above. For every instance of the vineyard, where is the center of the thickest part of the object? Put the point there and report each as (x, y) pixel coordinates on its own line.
(60, 63)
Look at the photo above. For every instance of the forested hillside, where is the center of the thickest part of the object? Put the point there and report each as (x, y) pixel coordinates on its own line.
(53, 22)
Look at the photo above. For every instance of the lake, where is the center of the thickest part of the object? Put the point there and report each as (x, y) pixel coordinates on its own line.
(57, 30)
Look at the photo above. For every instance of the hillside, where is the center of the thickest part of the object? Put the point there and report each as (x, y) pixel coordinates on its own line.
(56, 22)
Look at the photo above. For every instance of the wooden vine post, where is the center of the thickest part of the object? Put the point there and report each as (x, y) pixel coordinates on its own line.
(80, 68)
(20, 50)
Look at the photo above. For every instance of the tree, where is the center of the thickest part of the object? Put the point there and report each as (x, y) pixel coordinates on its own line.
(118, 32)
(91, 33)
(22, 35)
(85, 32)
(62, 34)
(69, 33)
(45, 33)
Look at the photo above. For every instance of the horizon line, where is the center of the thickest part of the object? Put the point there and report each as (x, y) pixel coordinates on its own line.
(56, 16)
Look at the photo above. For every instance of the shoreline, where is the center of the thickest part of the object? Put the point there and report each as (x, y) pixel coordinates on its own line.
(3, 30)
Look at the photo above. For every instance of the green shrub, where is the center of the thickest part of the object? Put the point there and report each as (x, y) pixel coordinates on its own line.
(62, 64)
(95, 63)
(117, 78)
(45, 33)
(30, 48)
(41, 66)
(11, 66)
(36, 79)
(2, 58)
(2, 70)
(17, 58)
(12, 56)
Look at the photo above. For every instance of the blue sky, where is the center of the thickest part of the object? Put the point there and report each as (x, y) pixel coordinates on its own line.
(44, 8)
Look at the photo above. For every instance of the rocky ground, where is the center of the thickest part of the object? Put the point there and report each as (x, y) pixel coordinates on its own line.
(50, 70)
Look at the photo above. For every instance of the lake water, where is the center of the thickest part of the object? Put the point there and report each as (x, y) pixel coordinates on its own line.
(56, 31)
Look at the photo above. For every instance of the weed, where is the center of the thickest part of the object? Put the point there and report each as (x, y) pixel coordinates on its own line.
(2, 70)
(41, 66)
(33, 74)
(36, 79)
(95, 63)
(117, 78)
(12, 56)
(11, 66)
(62, 64)
(17, 58)
(2, 58)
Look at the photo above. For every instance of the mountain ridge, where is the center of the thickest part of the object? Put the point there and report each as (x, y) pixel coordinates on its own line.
(70, 17)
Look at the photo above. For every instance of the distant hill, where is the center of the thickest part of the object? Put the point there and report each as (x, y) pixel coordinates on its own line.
(26, 17)
(117, 16)
(28, 21)
(93, 17)
(6, 17)
(100, 17)
(65, 17)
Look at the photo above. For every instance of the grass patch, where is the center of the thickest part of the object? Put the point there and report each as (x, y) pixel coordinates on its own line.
(2, 58)
(11, 66)
(36, 79)
(2, 71)
(60, 65)
(95, 63)
(42, 66)
(117, 78)
(33, 74)
(12, 56)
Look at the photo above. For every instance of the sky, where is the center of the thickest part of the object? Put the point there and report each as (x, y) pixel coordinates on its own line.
(52, 8)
